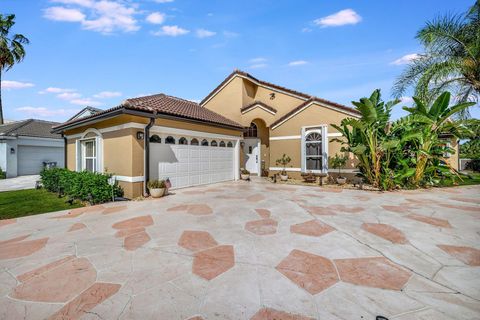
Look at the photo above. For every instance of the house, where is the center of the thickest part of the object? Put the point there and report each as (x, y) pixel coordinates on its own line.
(26, 145)
(243, 123)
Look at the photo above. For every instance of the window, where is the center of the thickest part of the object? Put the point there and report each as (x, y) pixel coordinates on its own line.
(230, 144)
(182, 140)
(222, 144)
(204, 142)
(155, 139)
(313, 151)
(213, 143)
(169, 140)
(251, 131)
(89, 155)
(194, 142)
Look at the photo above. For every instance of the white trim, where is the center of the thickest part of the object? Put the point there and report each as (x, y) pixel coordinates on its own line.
(127, 125)
(286, 169)
(255, 82)
(130, 179)
(323, 130)
(39, 138)
(285, 138)
(258, 105)
(191, 133)
(320, 104)
(334, 134)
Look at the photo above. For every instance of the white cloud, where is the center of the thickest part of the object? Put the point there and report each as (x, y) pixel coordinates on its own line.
(46, 112)
(307, 30)
(297, 63)
(104, 16)
(257, 60)
(156, 18)
(64, 14)
(341, 18)
(56, 90)
(163, 1)
(9, 84)
(407, 100)
(230, 34)
(258, 66)
(406, 59)
(171, 31)
(107, 94)
(86, 102)
(69, 95)
(203, 33)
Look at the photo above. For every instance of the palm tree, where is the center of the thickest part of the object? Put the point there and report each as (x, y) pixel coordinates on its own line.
(451, 60)
(11, 49)
(430, 122)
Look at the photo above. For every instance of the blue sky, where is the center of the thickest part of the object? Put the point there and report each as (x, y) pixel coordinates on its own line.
(100, 52)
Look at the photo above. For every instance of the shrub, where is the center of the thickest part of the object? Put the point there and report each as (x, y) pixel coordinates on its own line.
(338, 162)
(244, 171)
(84, 186)
(284, 161)
(156, 184)
(473, 165)
(3, 174)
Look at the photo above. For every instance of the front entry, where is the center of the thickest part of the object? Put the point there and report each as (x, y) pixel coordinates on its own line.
(252, 152)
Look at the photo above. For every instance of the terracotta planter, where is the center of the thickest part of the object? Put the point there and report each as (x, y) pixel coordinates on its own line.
(341, 181)
(284, 177)
(244, 176)
(157, 193)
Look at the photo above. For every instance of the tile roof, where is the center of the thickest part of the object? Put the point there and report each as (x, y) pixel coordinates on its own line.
(166, 105)
(92, 111)
(312, 99)
(305, 96)
(253, 104)
(29, 128)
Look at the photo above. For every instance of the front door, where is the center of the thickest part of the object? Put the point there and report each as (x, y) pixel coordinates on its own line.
(251, 155)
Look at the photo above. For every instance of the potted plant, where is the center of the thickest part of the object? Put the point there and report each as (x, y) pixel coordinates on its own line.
(284, 161)
(244, 174)
(338, 162)
(157, 188)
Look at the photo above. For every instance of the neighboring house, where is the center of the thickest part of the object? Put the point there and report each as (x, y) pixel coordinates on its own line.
(243, 123)
(26, 145)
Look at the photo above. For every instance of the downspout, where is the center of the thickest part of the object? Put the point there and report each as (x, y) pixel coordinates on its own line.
(146, 139)
(64, 151)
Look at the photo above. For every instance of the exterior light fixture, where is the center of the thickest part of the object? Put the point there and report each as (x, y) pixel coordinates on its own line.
(140, 135)
(272, 96)
(12, 150)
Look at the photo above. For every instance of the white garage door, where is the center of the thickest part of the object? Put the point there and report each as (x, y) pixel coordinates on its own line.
(190, 165)
(31, 158)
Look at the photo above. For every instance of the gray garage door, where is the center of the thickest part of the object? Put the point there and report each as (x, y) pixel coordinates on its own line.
(30, 158)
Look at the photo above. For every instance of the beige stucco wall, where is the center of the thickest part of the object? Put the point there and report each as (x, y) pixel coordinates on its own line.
(453, 159)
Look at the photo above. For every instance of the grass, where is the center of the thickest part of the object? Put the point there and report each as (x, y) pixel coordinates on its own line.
(467, 180)
(20, 203)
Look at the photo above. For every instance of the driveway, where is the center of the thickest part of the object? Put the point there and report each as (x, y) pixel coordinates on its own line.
(18, 183)
(249, 251)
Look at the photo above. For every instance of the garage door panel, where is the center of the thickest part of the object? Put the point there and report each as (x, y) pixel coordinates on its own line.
(31, 158)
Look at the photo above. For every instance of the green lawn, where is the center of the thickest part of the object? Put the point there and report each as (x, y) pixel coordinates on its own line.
(14, 204)
(471, 179)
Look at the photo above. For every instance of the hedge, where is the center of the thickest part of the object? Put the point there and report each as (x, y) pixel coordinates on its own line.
(84, 186)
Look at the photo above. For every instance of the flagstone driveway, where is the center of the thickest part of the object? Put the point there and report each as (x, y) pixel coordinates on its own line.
(245, 250)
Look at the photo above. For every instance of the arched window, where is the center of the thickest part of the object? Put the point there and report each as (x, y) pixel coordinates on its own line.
(251, 131)
(222, 144)
(169, 140)
(204, 142)
(230, 144)
(182, 140)
(313, 151)
(194, 142)
(213, 143)
(155, 139)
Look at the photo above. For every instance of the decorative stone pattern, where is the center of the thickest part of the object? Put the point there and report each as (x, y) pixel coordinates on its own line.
(17, 248)
(321, 211)
(255, 198)
(210, 263)
(143, 221)
(430, 220)
(57, 282)
(272, 314)
(344, 208)
(36, 272)
(6, 222)
(77, 226)
(263, 213)
(134, 232)
(194, 209)
(262, 227)
(311, 228)
(196, 240)
(135, 241)
(114, 209)
(308, 271)
(386, 232)
(86, 301)
(397, 209)
(372, 272)
(467, 255)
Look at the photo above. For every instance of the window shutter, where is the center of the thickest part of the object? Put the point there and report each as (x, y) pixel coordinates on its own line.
(325, 148)
(78, 155)
(302, 150)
